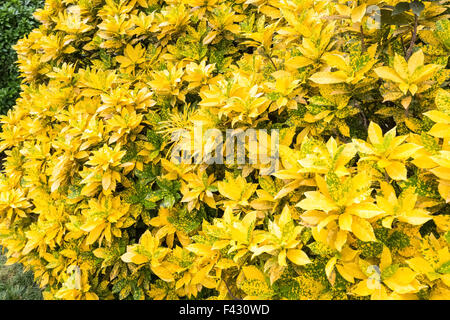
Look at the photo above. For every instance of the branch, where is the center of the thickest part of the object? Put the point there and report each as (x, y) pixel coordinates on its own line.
(413, 37)
(340, 136)
(363, 44)
(407, 112)
(273, 63)
(229, 291)
(386, 176)
(363, 116)
(403, 45)
(262, 51)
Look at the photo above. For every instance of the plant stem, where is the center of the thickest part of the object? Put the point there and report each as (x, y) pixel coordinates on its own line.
(363, 115)
(229, 291)
(413, 37)
(386, 177)
(363, 44)
(273, 63)
(403, 45)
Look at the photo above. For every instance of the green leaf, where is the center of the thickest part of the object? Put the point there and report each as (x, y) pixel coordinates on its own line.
(305, 235)
(148, 175)
(258, 288)
(212, 189)
(155, 139)
(447, 236)
(154, 196)
(168, 192)
(389, 271)
(186, 221)
(320, 249)
(423, 187)
(138, 294)
(268, 185)
(442, 32)
(168, 201)
(443, 100)
(444, 268)
(333, 183)
(397, 241)
(287, 288)
(74, 192)
(417, 7)
(400, 8)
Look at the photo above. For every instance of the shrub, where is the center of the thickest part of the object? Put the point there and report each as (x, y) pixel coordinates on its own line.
(15, 21)
(354, 101)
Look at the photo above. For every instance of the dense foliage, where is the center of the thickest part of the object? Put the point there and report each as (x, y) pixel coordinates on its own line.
(93, 203)
(16, 20)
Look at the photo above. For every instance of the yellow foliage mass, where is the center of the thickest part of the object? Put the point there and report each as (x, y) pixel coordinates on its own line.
(358, 207)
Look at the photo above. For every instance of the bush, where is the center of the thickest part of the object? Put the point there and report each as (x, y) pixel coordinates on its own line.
(98, 196)
(15, 21)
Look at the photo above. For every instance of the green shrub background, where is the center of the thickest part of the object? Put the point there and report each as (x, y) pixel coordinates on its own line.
(16, 20)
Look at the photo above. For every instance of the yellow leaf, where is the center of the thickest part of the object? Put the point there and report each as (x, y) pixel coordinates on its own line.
(330, 267)
(365, 210)
(282, 258)
(285, 217)
(415, 61)
(313, 217)
(388, 74)
(336, 61)
(442, 222)
(345, 221)
(404, 151)
(341, 239)
(438, 116)
(424, 73)
(419, 264)
(400, 66)
(298, 62)
(416, 217)
(363, 230)
(163, 273)
(134, 258)
(316, 200)
(329, 77)
(396, 170)
(210, 37)
(94, 234)
(361, 289)
(346, 275)
(298, 257)
(358, 13)
(375, 134)
(386, 258)
(440, 130)
(251, 272)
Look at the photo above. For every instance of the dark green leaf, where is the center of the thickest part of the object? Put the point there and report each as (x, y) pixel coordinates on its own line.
(400, 8)
(417, 7)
